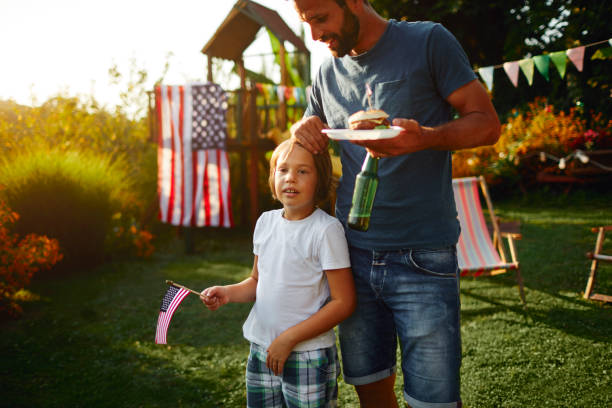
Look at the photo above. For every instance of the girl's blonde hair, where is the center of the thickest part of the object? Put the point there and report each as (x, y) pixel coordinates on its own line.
(322, 163)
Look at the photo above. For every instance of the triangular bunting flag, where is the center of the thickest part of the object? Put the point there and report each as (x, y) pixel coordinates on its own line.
(266, 91)
(542, 62)
(512, 70)
(602, 54)
(296, 94)
(280, 93)
(486, 73)
(560, 60)
(576, 55)
(527, 68)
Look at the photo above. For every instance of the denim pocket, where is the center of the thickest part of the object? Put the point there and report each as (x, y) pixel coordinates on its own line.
(435, 262)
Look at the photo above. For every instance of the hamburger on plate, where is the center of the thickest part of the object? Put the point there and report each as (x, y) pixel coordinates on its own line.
(370, 119)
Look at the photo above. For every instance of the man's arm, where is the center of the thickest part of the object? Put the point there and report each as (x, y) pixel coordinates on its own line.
(478, 125)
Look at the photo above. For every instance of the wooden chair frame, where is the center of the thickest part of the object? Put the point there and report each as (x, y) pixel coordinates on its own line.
(597, 256)
(507, 263)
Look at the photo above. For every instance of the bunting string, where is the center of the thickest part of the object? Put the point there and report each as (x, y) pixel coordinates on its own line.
(540, 63)
(284, 93)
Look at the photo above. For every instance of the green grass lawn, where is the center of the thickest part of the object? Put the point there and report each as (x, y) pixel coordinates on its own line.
(88, 340)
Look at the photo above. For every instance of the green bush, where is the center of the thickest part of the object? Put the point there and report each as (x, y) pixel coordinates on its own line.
(68, 195)
(69, 124)
(538, 129)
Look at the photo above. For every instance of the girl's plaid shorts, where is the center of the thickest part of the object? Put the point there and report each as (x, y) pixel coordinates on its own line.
(309, 379)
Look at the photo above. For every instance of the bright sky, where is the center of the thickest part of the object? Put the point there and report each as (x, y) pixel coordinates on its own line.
(52, 46)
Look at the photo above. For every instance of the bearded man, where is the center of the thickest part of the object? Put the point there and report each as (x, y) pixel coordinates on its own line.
(405, 265)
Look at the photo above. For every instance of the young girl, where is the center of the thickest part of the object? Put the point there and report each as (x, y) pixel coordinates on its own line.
(302, 286)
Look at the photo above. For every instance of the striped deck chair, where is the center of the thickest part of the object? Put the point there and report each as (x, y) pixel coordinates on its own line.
(477, 253)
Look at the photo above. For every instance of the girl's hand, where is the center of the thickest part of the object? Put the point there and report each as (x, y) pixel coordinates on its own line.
(215, 297)
(278, 352)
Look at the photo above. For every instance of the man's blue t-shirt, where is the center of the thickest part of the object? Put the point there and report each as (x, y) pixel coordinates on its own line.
(412, 69)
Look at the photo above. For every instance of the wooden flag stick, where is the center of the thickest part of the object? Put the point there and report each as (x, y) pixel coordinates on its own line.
(369, 95)
(169, 282)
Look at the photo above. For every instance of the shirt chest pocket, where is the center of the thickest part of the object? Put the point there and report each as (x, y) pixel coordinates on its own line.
(395, 98)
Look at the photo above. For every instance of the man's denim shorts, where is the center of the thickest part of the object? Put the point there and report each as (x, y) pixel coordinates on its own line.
(412, 294)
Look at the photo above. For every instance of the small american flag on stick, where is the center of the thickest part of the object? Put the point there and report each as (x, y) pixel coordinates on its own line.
(171, 301)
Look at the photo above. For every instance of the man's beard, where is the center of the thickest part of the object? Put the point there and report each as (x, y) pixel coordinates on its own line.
(349, 33)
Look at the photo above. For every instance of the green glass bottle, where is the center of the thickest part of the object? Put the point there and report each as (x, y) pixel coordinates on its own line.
(366, 183)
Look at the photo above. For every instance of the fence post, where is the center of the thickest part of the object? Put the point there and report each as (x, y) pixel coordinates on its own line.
(282, 108)
(254, 166)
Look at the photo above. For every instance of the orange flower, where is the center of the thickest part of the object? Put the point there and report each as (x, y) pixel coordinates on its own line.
(20, 259)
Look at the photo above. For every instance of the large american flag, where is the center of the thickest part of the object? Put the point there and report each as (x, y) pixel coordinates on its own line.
(193, 169)
(172, 299)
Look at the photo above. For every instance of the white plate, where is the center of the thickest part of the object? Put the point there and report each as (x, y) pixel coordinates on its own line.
(371, 134)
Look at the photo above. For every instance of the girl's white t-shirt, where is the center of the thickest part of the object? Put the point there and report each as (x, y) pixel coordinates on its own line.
(292, 286)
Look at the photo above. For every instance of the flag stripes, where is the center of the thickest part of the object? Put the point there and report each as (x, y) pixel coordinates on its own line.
(170, 302)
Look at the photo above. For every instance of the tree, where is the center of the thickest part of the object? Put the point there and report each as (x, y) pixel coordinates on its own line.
(495, 31)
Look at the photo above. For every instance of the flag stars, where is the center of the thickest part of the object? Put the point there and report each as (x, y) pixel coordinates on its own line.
(208, 117)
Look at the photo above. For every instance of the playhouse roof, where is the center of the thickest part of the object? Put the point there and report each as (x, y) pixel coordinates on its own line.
(239, 28)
